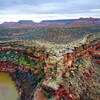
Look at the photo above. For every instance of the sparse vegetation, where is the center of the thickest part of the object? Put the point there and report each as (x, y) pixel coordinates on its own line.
(61, 34)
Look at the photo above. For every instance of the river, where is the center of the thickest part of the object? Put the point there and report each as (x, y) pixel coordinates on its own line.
(8, 90)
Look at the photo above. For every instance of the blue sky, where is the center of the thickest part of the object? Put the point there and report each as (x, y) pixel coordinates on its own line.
(37, 10)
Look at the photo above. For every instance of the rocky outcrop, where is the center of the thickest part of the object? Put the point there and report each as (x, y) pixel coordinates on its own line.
(69, 76)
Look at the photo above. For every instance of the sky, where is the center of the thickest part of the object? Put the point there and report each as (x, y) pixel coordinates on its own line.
(37, 10)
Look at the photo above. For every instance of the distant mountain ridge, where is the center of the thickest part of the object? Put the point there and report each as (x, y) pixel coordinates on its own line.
(7, 24)
(63, 22)
(26, 22)
(58, 21)
(85, 21)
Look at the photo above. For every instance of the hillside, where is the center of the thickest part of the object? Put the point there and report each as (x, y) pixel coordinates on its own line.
(52, 34)
(59, 34)
(60, 22)
(85, 21)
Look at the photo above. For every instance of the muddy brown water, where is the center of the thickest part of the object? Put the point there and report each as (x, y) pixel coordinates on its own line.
(8, 91)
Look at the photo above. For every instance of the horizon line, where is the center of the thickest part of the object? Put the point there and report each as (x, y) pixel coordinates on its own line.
(47, 19)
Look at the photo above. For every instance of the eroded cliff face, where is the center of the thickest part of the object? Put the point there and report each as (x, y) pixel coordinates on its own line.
(69, 75)
(24, 67)
(74, 75)
(71, 82)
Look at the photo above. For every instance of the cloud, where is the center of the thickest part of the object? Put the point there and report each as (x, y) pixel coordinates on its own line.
(95, 10)
(48, 9)
(47, 6)
(40, 17)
